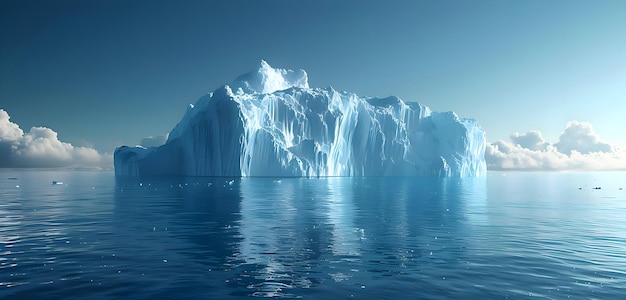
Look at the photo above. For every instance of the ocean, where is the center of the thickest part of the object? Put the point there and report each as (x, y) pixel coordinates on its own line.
(90, 235)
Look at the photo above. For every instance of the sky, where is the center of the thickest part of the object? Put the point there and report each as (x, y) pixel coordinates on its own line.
(101, 74)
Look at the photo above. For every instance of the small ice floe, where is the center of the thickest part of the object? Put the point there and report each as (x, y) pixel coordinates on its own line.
(231, 182)
(57, 182)
(278, 181)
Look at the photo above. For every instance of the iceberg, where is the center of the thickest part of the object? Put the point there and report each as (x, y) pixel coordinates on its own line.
(269, 122)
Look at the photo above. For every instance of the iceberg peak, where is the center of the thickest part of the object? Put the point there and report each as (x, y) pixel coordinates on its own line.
(267, 80)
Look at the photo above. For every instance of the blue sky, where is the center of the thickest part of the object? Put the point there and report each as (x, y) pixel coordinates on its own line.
(106, 73)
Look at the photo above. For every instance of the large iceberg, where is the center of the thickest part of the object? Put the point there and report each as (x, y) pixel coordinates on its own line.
(271, 123)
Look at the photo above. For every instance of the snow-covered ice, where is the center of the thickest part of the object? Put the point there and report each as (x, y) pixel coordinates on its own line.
(269, 122)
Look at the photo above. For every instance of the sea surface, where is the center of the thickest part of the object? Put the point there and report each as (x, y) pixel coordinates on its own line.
(504, 236)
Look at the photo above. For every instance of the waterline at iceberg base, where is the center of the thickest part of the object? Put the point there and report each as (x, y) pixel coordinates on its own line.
(269, 122)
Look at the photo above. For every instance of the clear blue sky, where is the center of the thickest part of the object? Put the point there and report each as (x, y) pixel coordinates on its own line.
(107, 73)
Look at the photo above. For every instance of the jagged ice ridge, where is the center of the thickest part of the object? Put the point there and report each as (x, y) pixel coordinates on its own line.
(269, 122)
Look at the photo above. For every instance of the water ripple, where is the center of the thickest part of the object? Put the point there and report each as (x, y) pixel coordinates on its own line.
(383, 238)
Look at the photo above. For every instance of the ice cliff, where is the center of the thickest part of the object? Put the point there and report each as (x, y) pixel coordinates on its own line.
(271, 123)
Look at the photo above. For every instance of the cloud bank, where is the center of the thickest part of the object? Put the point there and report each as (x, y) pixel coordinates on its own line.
(154, 141)
(40, 148)
(578, 148)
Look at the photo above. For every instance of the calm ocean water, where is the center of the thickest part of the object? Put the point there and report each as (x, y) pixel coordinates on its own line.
(515, 235)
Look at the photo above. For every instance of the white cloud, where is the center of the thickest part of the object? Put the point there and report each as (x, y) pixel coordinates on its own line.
(579, 136)
(8, 131)
(154, 141)
(41, 148)
(532, 140)
(579, 148)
